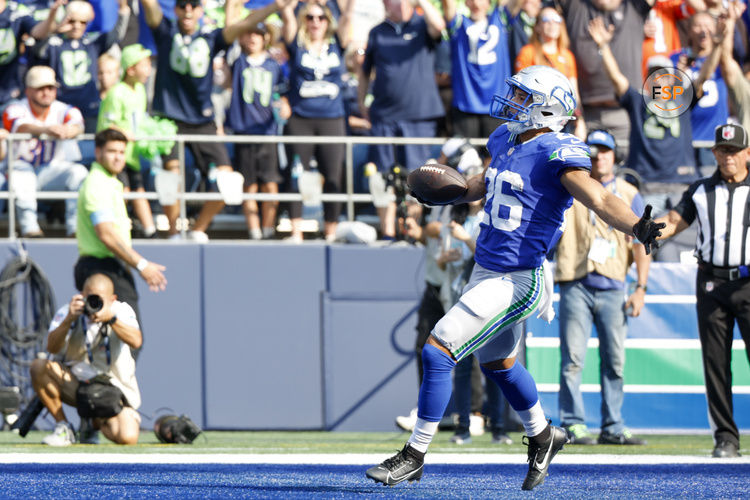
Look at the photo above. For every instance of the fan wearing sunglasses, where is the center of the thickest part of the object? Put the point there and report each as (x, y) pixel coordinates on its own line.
(316, 43)
(184, 80)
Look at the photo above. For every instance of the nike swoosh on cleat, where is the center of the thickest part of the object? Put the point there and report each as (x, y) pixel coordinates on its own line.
(401, 478)
(540, 465)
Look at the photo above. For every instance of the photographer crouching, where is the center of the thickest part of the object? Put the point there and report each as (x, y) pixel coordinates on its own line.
(92, 337)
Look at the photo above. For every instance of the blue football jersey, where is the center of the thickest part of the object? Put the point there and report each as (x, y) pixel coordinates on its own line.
(526, 202)
(13, 25)
(184, 75)
(480, 61)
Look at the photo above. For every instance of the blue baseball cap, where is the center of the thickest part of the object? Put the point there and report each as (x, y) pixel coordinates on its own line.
(601, 138)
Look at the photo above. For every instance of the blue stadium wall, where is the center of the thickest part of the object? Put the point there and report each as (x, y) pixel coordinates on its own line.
(272, 336)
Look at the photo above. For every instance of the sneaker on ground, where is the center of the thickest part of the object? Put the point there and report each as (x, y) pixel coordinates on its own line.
(86, 432)
(540, 456)
(462, 436)
(725, 449)
(406, 465)
(579, 434)
(63, 435)
(197, 236)
(476, 425)
(624, 437)
(407, 422)
(499, 437)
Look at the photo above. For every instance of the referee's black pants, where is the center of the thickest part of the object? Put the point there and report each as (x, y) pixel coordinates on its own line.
(719, 304)
(121, 277)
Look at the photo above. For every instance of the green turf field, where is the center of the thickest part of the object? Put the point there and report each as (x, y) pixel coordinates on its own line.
(346, 442)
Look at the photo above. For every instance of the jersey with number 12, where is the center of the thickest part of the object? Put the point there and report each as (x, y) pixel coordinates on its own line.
(480, 62)
(526, 201)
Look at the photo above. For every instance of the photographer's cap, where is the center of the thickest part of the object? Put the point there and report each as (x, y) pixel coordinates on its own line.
(731, 135)
(601, 138)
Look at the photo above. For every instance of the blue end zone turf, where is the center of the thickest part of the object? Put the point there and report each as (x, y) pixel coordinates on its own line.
(336, 481)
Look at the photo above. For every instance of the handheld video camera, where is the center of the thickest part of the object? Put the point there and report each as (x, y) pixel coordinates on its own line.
(397, 178)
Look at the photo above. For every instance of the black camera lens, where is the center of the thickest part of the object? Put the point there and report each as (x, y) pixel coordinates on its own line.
(94, 303)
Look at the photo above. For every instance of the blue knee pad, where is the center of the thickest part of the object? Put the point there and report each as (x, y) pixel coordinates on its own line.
(437, 384)
(517, 384)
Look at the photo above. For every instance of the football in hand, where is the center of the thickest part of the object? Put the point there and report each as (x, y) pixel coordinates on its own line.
(437, 184)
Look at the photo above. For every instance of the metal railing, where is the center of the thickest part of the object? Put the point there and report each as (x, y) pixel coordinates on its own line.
(348, 196)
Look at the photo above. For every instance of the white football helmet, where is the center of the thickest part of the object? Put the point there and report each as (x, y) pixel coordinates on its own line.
(549, 101)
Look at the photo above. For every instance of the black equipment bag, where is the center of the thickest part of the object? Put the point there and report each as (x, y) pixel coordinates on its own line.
(174, 429)
(98, 398)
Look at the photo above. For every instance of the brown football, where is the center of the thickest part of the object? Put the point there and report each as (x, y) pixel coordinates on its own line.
(437, 184)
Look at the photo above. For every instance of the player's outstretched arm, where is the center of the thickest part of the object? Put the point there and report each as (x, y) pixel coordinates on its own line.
(606, 205)
(611, 208)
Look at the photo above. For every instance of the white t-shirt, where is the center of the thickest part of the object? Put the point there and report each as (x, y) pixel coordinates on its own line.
(121, 370)
(35, 151)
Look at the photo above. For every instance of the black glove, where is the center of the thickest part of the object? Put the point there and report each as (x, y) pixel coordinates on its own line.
(420, 200)
(646, 230)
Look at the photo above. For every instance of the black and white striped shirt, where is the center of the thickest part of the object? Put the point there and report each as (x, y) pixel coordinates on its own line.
(723, 213)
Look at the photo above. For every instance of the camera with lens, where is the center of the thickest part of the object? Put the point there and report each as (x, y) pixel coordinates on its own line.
(397, 178)
(93, 304)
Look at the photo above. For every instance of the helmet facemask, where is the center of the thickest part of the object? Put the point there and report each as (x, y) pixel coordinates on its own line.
(537, 110)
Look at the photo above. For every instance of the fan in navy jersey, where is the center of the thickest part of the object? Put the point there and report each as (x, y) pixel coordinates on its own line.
(480, 63)
(184, 79)
(74, 56)
(316, 44)
(13, 26)
(534, 174)
(257, 82)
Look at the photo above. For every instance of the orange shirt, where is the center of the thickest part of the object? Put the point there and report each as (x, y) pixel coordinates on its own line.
(563, 60)
(666, 41)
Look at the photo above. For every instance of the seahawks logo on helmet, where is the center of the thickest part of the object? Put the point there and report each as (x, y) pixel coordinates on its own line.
(569, 152)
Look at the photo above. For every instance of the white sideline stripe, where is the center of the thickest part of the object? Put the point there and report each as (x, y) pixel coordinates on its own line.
(648, 389)
(349, 459)
(672, 344)
(655, 299)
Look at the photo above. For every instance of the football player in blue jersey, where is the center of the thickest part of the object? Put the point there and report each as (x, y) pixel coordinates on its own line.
(531, 180)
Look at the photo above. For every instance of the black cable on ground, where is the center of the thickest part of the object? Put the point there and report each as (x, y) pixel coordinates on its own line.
(27, 305)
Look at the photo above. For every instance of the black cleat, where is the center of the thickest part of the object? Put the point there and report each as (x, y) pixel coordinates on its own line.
(407, 464)
(541, 456)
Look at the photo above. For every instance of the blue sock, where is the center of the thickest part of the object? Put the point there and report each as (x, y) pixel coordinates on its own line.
(517, 385)
(437, 384)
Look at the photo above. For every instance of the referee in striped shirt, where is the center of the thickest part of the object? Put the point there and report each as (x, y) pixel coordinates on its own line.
(720, 204)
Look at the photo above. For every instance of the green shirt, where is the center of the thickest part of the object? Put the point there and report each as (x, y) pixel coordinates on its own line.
(100, 200)
(124, 107)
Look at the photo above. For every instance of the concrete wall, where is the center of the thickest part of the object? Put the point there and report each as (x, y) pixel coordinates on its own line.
(274, 336)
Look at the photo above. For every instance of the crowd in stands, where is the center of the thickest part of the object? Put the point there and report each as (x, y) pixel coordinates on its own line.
(406, 68)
